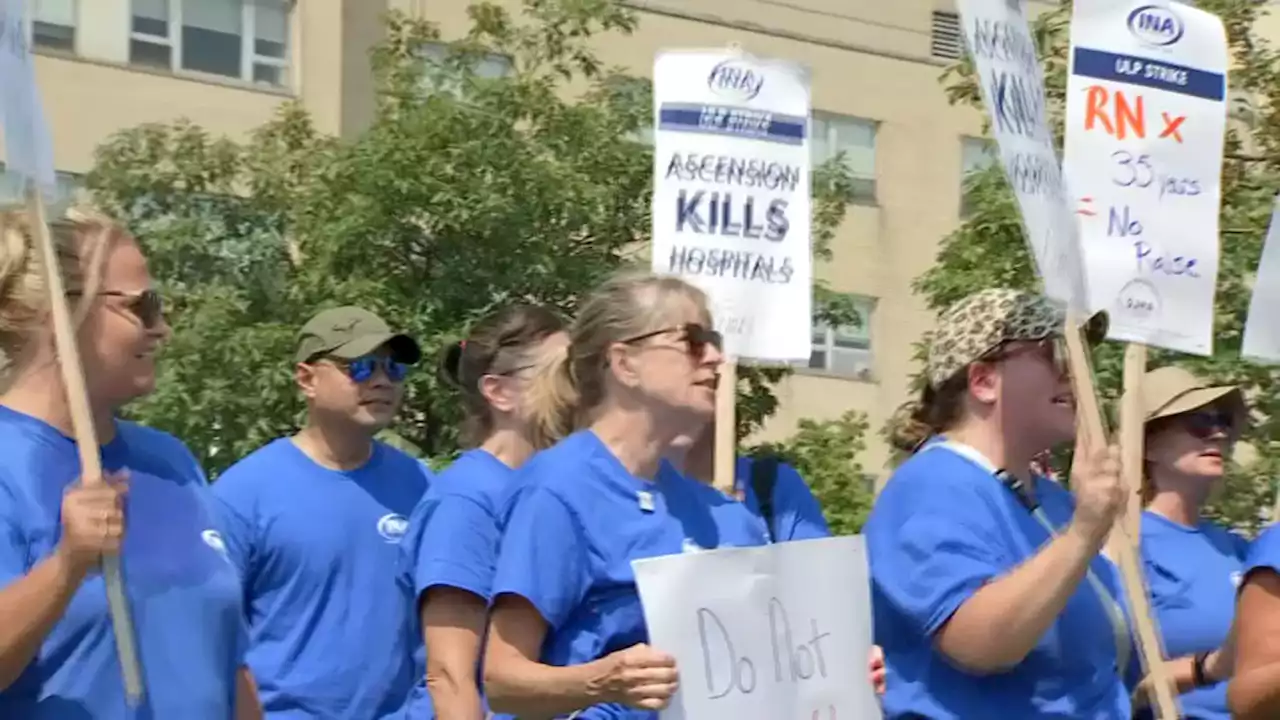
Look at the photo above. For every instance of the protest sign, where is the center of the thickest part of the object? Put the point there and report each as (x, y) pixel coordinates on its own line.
(1146, 118)
(1012, 86)
(731, 206)
(1262, 328)
(781, 631)
(28, 151)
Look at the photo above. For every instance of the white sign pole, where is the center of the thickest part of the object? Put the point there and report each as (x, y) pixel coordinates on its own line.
(780, 631)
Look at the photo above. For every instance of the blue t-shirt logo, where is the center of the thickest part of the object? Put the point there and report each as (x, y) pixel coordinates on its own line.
(214, 540)
(392, 527)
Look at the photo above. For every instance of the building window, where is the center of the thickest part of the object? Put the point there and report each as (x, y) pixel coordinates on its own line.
(53, 24)
(975, 154)
(243, 39)
(12, 189)
(945, 42)
(440, 78)
(832, 135)
(845, 350)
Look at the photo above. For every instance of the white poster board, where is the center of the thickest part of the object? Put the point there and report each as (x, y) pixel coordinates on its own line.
(28, 151)
(1012, 85)
(780, 632)
(1262, 329)
(731, 205)
(1146, 118)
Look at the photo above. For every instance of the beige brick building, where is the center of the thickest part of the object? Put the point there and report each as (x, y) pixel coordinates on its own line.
(104, 65)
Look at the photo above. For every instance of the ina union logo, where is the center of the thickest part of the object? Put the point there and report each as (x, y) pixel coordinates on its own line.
(392, 527)
(1155, 25)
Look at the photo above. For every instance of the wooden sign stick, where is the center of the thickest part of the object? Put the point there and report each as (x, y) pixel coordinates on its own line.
(1120, 546)
(1131, 435)
(726, 449)
(86, 439)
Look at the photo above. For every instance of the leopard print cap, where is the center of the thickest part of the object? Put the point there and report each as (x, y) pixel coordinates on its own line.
(980, 323)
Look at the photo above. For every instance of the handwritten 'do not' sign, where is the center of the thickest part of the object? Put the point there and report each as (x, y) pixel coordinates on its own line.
(1146, 118)
(781, 631)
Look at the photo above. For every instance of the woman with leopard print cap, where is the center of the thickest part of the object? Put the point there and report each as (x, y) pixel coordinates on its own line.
(991, 599)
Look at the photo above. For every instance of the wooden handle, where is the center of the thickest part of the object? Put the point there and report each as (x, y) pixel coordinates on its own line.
(726, 450)
(1120, 546)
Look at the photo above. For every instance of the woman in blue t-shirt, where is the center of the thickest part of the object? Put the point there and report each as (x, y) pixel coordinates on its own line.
(452, 542)
(567, 632)
(989, 594)
(1192, 565)
(57, 647)
(793, 512)
(1254, 690)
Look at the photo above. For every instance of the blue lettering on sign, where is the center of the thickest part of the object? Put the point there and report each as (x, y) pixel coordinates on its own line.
(1150, 260)
(1155, 25)
(717, 216)
(736, 80)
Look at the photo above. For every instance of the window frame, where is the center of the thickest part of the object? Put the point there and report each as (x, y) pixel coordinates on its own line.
(829, 347)
(865, 188)
(31, 21)
(249, 57)
(438, 52)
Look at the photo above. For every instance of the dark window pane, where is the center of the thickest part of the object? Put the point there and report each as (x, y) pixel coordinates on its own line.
(150, 55)
(267, 48)
(150, 26)
(268, 74)
(57, 37)
(210, 51)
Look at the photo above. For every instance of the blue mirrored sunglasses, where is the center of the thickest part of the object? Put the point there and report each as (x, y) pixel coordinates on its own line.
(362, 368)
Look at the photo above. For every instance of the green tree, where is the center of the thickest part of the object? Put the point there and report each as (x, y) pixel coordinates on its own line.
(464, 193)
(988, 249)
(826, 454)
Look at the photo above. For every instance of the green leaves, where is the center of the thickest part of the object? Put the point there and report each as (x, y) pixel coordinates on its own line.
(466, 192)
(988, 249)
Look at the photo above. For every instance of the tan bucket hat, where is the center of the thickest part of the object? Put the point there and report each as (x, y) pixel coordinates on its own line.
(1173, 390)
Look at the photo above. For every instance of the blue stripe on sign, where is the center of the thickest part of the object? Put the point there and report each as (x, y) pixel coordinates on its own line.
(737, 122)
(1149, 73)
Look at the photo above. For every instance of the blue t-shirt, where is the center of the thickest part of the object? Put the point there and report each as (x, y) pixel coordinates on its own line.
(944, 527)
(183, 594)
(574, 522)
(1264, 552)
(452, 541)
(318, 551)
(1192, 575)
(796, 512)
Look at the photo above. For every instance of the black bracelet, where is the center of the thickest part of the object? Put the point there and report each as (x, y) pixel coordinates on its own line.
(1197, 670)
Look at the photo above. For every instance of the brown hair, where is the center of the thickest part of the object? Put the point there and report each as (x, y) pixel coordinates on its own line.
(936, 410)
(502, 342)
(80, 238)
(570, 386)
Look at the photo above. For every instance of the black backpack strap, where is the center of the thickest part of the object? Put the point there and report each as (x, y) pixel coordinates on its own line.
(764, 476)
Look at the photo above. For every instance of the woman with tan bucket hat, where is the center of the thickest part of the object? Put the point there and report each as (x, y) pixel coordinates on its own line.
(989, 594)
(1192, 564)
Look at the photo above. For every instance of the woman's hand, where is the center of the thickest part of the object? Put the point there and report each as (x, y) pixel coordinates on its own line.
(92, 522)
(639, 677)
(875, 669)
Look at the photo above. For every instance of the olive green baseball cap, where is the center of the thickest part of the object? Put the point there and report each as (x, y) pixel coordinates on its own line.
(351, 332)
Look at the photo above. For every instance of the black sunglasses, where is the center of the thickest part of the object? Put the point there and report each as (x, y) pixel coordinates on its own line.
(698, 337)
(146, 305)
(1204, 424)
(1052, 349)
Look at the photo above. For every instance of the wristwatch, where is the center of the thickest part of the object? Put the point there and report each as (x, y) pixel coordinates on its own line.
(1198, 677)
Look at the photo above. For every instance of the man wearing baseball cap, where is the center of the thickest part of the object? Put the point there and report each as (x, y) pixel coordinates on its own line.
(312, 522)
